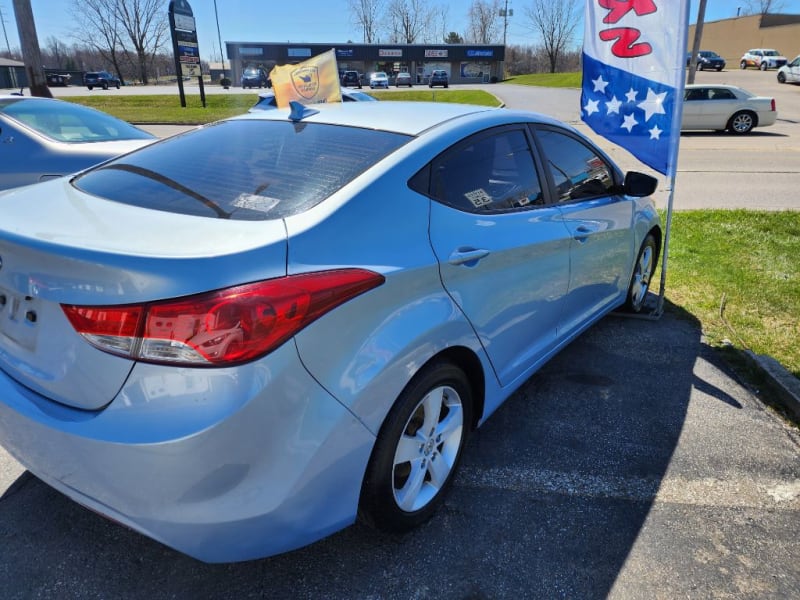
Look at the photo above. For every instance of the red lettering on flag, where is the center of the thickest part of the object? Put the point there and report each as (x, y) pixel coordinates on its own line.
(625, 45)
(619, 8)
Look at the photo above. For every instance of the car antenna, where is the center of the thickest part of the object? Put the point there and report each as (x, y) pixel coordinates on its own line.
(300, 111)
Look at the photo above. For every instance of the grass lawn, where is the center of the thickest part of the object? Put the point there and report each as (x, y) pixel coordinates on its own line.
(556, 80)
(167, 109)
(737, 271)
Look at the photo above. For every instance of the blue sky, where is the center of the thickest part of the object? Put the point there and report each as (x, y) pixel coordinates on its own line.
(318, 21)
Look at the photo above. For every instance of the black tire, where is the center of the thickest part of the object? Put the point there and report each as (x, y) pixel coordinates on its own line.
(643, 270)
(764, 66)
(743, 65)
(117, 85)
(719, 69)
(105, 85)
(742, 122)
(90, 87)
(398, 495)
(781, 77)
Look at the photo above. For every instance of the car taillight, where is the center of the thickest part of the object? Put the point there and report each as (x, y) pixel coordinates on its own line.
(223, 327)
(773, 105)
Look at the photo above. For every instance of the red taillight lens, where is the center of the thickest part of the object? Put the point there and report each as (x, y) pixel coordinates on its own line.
(774, 106)
(223, 327)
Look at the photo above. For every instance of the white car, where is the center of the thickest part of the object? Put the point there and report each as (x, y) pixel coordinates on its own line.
(725, 108)
(379, 79)
(762, 58)
(790, 72)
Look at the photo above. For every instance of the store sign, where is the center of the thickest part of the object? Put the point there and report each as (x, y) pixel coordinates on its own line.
(184, 39)
(390, 53)
(345, 53)
(299, 52)
(435, 53)
(480, 53)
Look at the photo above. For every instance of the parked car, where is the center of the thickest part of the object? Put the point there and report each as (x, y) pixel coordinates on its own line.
(707, 59)
(351, 79)
(790, 72)
(438, 77)
(725, 107)
(762, 58)
(43, 138)
(379, 80)
(403, 78)
(357, 366)
(58, 79)
(266, 100)
(253, 77)
(101, 79)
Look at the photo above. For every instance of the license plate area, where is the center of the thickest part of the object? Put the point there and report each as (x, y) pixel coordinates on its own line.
(19, 317)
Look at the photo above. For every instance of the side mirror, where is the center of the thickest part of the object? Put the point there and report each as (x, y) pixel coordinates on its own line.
(639, 184)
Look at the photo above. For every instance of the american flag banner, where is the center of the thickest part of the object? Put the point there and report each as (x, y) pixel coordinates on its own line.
(634, 54)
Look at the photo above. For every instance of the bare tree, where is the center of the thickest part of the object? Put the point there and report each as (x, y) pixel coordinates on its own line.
(409, 20)
(762, 7)
(366, 14)
(555, 21)
(483, 26)
(146, 24)
(56, 51)
(118, 29)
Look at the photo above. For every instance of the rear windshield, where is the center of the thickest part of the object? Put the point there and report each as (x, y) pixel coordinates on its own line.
(243, 169)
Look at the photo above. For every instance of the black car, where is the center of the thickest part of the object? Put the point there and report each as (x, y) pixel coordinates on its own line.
(351, 79)
(707, 59)
(438, 77)
(57, 79)
(101, 79)
(255, 77)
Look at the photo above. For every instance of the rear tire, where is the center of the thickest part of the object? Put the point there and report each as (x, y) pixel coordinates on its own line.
(742, 122)
(418, 450)
(764, 66)
(781, 78)
(105, 85)
(642, 272)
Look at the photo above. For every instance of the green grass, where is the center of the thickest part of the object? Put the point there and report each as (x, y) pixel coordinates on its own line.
(167, 109)
(738, 273)
(555, 80)
(478, 97)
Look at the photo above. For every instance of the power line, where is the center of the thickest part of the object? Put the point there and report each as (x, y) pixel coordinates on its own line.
(5, 33)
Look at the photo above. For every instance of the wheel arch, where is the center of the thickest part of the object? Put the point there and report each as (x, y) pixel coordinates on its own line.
(466, 360)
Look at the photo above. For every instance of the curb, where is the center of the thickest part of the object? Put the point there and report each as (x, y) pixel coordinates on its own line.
(782, 384)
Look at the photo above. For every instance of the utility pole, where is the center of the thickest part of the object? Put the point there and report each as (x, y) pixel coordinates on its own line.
(31, 55)
(219, 38)
(698, 35)
(5, 33)
(505, 13)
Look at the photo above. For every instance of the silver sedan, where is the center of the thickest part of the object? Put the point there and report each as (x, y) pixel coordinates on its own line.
(726, 108)
(42, 138)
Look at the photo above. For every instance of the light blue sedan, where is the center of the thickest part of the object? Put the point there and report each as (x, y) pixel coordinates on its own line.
(241, 339)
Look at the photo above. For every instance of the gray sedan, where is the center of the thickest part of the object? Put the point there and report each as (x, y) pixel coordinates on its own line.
(42, 138)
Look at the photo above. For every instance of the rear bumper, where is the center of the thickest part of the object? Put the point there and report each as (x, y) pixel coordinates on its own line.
(221, 465)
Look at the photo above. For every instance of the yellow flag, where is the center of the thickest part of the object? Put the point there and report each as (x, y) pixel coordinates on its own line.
(311, 81)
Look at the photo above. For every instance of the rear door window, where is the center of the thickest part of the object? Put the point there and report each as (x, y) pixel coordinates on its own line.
(242, 169)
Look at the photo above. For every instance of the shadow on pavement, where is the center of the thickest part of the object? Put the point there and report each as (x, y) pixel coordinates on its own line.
(553, 492)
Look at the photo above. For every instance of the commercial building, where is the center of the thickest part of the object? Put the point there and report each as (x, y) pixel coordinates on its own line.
(731, 38)
(464, 63)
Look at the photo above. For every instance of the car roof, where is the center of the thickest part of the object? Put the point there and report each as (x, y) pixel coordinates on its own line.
(409, 118)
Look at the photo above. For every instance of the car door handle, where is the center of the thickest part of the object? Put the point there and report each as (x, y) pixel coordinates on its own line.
(582, 232)
(467, 256)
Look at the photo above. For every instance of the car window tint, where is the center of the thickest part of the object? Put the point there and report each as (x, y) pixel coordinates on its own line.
(488, 174)
(243, 169)
(722, 94)
(577, 171)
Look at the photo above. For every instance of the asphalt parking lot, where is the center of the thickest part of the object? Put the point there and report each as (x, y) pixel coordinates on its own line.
(634, 465)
